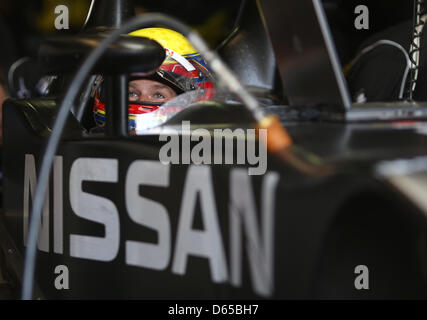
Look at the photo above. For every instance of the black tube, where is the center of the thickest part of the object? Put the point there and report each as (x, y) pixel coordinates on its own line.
(116, 108)
(85, 95)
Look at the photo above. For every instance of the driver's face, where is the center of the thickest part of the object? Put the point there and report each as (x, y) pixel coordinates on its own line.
(149, 91)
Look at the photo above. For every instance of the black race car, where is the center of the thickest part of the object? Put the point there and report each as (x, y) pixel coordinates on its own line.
(340, 214)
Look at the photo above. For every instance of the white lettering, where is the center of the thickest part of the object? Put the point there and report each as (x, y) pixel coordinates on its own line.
(148, 213)
(94, 208)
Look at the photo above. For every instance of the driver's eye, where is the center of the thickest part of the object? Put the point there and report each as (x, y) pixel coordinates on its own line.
(158, 95)
(132, 94)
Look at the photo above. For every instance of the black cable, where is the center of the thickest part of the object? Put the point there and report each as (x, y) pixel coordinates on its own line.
(140, 22)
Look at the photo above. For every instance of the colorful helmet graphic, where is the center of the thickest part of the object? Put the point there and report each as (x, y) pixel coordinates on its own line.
(183, 70)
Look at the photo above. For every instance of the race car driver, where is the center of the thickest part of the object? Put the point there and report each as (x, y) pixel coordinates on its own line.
(183, 70)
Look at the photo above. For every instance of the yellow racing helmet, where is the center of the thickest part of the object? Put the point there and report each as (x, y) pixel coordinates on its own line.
(183, 70)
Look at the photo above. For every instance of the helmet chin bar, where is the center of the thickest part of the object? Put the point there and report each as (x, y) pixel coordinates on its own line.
(142, 107)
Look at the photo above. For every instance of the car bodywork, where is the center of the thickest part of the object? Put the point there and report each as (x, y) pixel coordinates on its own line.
(213, 231)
